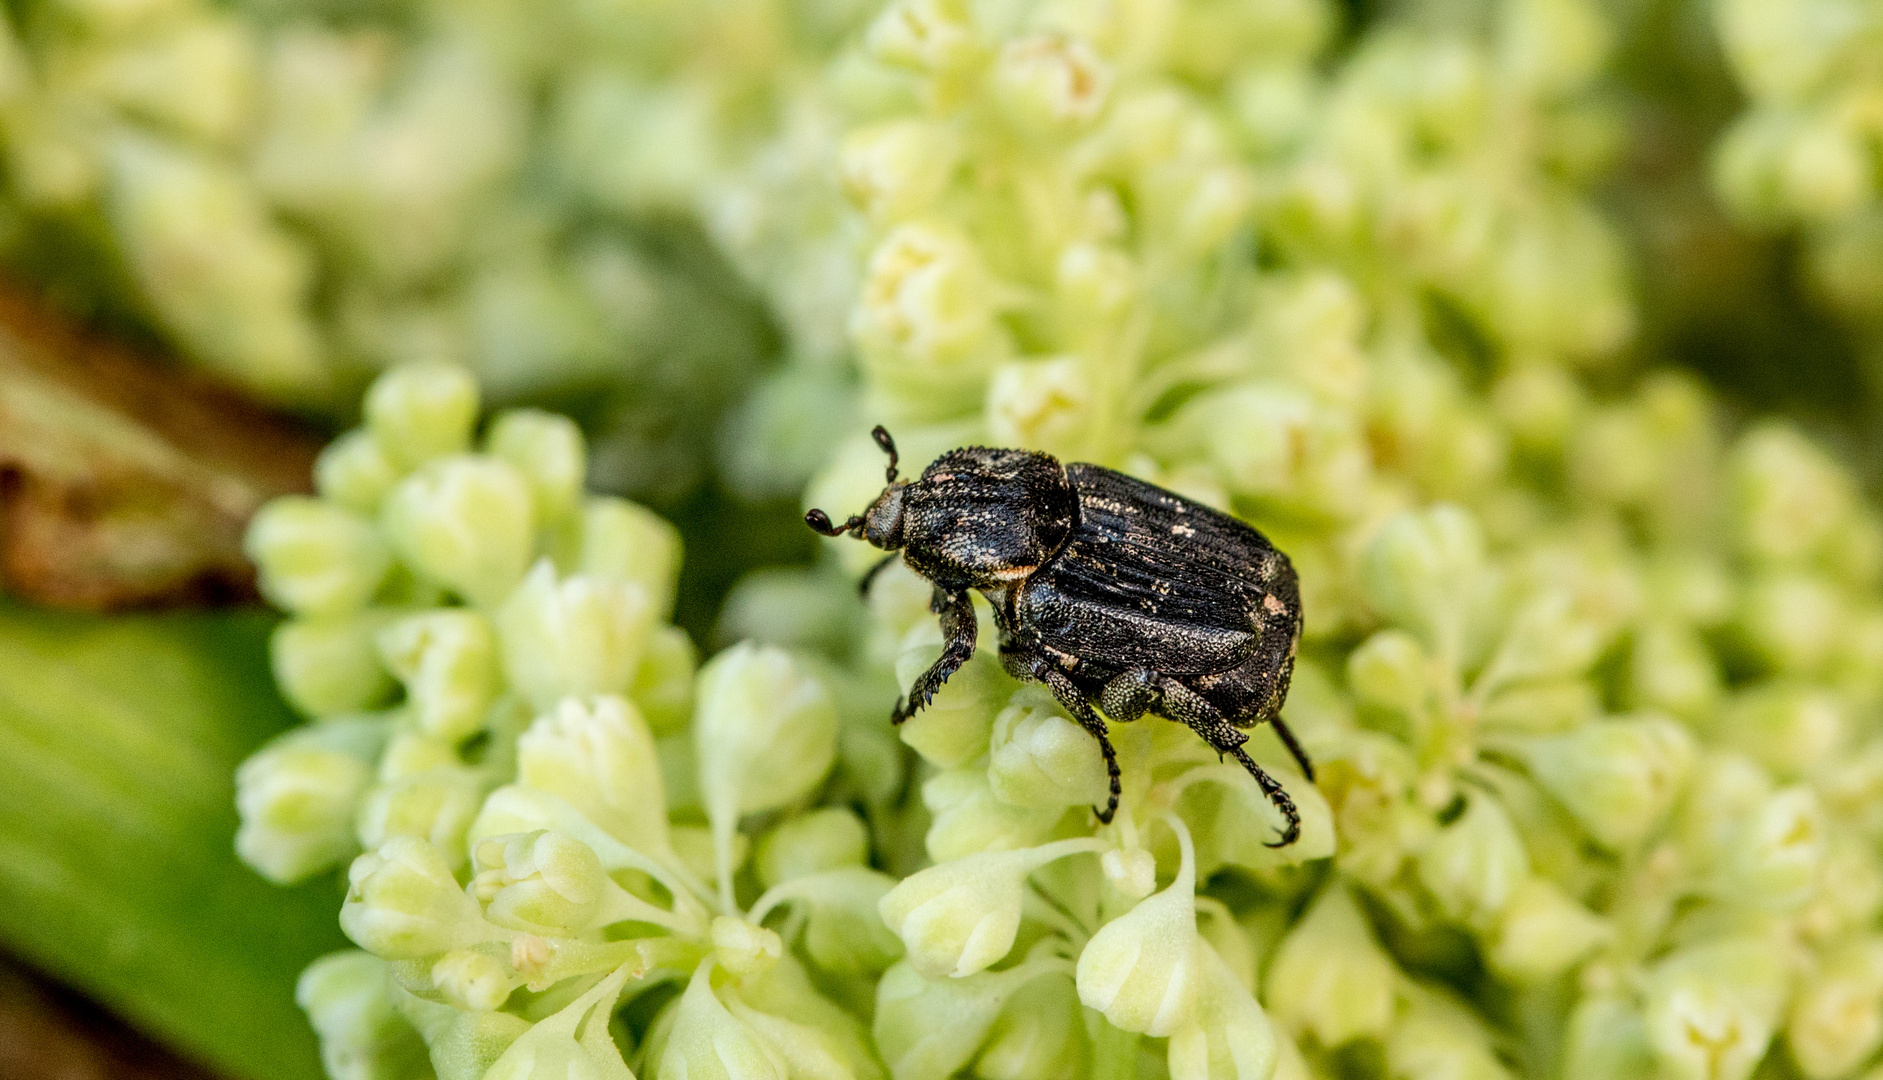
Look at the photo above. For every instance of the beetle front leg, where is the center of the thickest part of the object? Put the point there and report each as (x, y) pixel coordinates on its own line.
(1194, 711)
(959, 630)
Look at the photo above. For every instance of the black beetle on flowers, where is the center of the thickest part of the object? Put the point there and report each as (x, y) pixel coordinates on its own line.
(1109, 590)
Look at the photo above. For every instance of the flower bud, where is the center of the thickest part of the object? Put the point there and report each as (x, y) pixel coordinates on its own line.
(297, 796)
(1836, 1019)
(896, 169)
(418, 412)
(1617, 777)
(354, 472)
(436, 805)
(1329, 976)
(1041, 404)
(447, 660)
(1542, 932)
(953, 729)
(707, 1041)
(930, 36)
(540, 882)
(575, 637)
(1040, 758)
(968, 818)
(1712, 1008)
(329, 666)
(807, 1050)
(477, 979)
(1473, 866)
(1235, 822)
(1140, 968)
(1440, 1038)
(1788, 495)
(624, 541)
(1671, 668)
(574, 1042)
(1788, 728)
(958, 918)
(1228, 1037)
(930, 1029)
(316, 558)
(843, 932)
(821, 839)
(924, 320)
(1050, 83)
(1038, 1034)
(349, 1003)
(742, 948)
(765, 731)
(1607, 1039)
(1390, 671)
(1425, 572)
(1131, 872)
(1772, 862)
(465, 523)
(1791, 622)
(547, 449)
(663, 683)
(402, 903)
(598, 756)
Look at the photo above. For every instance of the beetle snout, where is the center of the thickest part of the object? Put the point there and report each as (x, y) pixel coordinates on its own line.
(882, 522)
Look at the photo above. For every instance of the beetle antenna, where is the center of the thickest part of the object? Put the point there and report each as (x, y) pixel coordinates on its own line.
(821, 522)
(883, 439)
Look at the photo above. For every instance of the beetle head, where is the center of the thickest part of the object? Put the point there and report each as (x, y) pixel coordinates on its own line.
(881, 524)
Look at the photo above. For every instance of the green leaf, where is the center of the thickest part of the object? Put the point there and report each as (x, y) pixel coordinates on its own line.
(119, 738)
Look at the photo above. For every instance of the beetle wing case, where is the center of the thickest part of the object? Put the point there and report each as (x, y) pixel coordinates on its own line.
(1152, 580)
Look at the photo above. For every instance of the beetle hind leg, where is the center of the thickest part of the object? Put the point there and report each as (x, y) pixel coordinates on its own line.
(1194, 711)
(1287, 738)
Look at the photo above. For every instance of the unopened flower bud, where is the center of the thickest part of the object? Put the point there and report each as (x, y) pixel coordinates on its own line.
(924, 321)
(1791, 622)
(1390, 670)
(1789, 495)
(1789, 728)
(1772, 861)
(578, 636)
(1473, 866)
(1438, 1038)
(822, 839)
(547, 449)
(1329, 976)
(1037, 1034)
(742, 948)
(1671, 668)
(1712, 1008)
(1140, 968)
(663, 683)
(1618, 777)
(297, 797)
(1836, 1019)
(896, 169)
(447, 660)
(1040, 758)
(1542, 932)
(314, 557)
(1423, 571)
(422, 411)
(1607, 1039)
(1131, 872)
(329, 666)
(930, 36)
(348, 998)
(436, 805)
(598, 756)
(969, 818)
(475, 979)
(574, 1042)
(960, 917)
(765, 731)
(354, 472)
(929, 1029)
(402, 903)
(624, 541)
(1050, 82)
(542, 882)
(708, 1041)
(1228, 1036)
(1041, 404)
(465, 523)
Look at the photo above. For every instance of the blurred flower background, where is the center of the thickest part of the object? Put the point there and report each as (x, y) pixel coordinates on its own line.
(1545, 336)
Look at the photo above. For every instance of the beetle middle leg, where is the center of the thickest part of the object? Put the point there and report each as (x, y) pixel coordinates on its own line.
(959, 629)
(1194, 711)
(1022, 662)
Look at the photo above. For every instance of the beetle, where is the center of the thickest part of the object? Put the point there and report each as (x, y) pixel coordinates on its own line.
(1111, 591)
